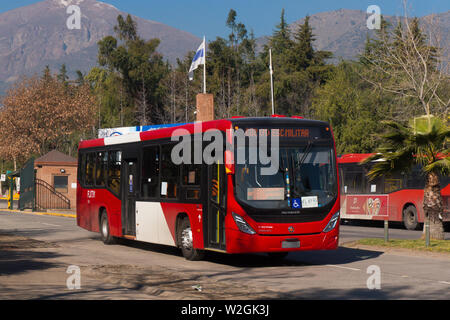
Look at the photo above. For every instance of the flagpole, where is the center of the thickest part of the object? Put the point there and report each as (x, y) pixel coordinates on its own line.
(204, 68)
(271, 81)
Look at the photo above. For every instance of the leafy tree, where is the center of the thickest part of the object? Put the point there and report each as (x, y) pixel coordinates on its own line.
(42, 114)
(353, 109)
(139, 67)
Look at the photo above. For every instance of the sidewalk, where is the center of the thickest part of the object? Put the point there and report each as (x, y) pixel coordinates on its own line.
(62, 213)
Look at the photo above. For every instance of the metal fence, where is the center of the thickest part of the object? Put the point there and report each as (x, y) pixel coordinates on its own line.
(48, 198)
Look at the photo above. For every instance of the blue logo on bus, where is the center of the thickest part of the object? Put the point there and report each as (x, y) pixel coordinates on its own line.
(296, 203)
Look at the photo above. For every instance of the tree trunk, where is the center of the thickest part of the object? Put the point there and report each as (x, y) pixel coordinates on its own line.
(433, 206)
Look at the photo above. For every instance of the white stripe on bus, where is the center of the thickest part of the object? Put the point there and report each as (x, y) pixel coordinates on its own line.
(126, 138)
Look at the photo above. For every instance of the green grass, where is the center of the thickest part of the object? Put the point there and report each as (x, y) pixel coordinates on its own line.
(419, 244)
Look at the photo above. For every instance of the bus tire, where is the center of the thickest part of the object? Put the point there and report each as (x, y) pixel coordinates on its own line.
(185, 241)
(105, 230)
(410, 220)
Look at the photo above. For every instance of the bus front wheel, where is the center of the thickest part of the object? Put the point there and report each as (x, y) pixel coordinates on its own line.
(410, 220)
(185, 241)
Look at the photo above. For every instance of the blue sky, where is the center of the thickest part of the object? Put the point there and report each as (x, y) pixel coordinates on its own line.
(208, 16)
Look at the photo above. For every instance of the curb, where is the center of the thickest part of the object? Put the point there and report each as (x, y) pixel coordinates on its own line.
(54, 214)
(397, 251)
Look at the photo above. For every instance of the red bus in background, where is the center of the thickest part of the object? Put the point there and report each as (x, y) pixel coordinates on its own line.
(398, 197)
(129, 187)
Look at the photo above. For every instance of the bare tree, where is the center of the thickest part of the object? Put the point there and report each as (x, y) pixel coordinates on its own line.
(412, 65)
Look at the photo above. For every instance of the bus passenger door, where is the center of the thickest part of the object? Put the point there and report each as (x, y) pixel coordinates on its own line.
(216, 206)
(130, 184)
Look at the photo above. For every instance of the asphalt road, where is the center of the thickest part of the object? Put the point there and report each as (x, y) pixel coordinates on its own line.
(36, 251)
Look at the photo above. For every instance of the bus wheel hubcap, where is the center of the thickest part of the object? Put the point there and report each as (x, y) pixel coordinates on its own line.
(186, 238)
(105, 228)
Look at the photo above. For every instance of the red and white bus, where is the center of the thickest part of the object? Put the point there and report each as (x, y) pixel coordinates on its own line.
(398, 197)
(129, 187)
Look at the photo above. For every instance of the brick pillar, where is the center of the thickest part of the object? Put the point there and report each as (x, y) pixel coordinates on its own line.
(205, 107)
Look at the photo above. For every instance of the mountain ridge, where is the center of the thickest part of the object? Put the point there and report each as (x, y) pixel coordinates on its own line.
(37, 35)
(34, 36)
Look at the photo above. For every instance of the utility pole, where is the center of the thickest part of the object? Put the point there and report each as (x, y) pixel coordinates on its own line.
(271, 81)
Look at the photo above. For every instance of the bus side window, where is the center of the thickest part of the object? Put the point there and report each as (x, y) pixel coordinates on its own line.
(101, 165)
(81, 168)
(150, 172)
(391, 185)
(169, 174)
(90, 167)
(114, 166)
(191, 178)
(353, 182)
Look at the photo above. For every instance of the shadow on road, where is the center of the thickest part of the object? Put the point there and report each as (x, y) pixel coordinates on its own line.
(385, 293)
(20, 254)
(21, 261)
(342, 255)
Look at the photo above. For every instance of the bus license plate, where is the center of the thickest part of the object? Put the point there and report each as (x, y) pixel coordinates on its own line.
(290, 244)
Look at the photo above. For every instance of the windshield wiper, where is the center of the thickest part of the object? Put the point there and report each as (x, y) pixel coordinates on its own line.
(306, 152)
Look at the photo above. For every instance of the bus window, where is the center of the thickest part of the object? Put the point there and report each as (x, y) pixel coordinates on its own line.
(391, 185)
(169, 174)
(191, 175)
(114, 166)
(150, 172)
(415, 179)
(353, 182)
(81, 168)
(101, 165)
(90, 167)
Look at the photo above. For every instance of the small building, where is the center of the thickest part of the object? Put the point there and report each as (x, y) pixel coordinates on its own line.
(58, 171)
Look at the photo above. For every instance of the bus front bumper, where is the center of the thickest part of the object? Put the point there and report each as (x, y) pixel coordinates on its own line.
(239, 242)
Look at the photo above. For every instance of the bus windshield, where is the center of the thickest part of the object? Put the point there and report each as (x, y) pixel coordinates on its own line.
(306, 179)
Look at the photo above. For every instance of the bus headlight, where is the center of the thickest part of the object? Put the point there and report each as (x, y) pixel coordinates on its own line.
(333, 222)
(242, 224)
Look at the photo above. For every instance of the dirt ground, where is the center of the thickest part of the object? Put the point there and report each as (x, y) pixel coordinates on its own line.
(129, 281)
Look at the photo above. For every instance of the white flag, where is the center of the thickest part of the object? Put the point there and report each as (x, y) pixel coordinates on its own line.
(199, 59)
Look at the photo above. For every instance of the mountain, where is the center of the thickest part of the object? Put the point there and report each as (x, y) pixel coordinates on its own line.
(37, 35)
(344, 32)
(34, 36)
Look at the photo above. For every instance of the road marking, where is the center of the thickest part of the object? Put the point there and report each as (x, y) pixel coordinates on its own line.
(444, 282)
(49, 224)
(341, 267)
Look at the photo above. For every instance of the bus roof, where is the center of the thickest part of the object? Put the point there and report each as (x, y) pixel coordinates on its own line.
(222, 125)
(354, 157)
(359, 157)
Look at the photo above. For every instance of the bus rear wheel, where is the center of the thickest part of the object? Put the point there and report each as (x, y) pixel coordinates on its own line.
(185, 241)
(105, 231)
(410, 220)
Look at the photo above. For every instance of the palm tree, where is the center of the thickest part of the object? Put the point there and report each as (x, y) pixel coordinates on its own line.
(424, 142)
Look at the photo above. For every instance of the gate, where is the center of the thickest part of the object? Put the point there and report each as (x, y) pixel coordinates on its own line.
(27, 186)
